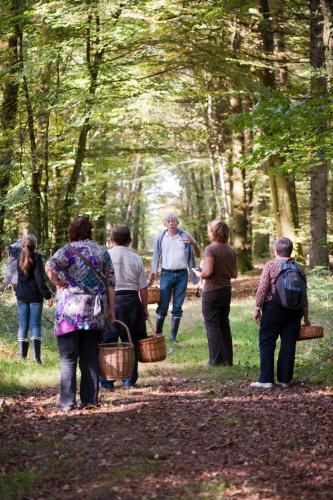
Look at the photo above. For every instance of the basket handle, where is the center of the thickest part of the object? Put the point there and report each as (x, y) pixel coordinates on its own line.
(126, 328)
(152, 328)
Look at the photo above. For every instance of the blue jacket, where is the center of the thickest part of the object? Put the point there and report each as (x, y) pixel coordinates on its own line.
(188, 251)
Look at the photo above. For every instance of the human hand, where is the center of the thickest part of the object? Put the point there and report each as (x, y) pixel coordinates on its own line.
(257, 316)
(306, 322)
(197, 271)
(187, 238)
(49, 302)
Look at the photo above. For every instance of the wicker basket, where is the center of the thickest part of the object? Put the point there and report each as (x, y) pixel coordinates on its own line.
(154, 295)
(310, 332)
(116, 360)
(152, 349)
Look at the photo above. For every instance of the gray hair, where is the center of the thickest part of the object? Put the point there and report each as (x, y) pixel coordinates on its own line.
(283, 246)
(170, 215)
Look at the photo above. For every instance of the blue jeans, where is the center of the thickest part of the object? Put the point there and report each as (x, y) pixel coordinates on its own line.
(30, 317)
(175, 283)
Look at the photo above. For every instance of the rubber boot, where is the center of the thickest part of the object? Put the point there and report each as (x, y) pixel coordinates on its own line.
(23, 346)
(36, 345)
(174, 328)
(159, 325)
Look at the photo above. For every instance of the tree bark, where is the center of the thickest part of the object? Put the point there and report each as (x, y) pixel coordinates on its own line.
(284, 198)
(239, 219)
(319, 174)
(327, 13)
(93, 60)
(8, 119)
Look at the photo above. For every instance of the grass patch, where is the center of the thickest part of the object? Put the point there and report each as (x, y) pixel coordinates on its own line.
(18, 485)
(313, 359)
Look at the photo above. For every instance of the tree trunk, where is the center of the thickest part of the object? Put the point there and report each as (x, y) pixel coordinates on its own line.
(327, 12)
(319, 174)
(136, 217)
(8, 119)
(94, 60)
(239, 219)
(284, 198)
(35, 219)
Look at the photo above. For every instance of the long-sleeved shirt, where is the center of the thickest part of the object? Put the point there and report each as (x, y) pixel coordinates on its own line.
(266, 288)
(188, 252)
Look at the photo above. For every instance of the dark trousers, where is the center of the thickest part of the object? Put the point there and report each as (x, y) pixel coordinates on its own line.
(128, 309)
(215, 310)
(82, 346)
(275, 321)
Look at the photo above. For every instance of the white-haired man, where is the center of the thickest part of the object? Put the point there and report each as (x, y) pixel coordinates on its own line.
(174, 250)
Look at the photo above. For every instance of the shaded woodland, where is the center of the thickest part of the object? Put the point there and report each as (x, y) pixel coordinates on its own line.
(232, 98)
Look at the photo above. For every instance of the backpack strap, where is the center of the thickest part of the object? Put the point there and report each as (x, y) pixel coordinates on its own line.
(99, 275)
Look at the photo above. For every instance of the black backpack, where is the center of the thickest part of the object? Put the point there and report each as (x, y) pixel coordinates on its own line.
(290, 286)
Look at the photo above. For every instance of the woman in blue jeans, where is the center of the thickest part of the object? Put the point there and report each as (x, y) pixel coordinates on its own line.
(31, 290)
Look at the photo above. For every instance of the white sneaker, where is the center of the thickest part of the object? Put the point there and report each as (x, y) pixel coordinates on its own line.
(283, 384)
(262, 385)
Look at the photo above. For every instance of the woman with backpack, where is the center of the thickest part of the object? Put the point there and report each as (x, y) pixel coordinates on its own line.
(31, 290)
(281, 302)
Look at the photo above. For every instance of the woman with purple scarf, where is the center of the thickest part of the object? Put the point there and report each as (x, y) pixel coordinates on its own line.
(83, 274)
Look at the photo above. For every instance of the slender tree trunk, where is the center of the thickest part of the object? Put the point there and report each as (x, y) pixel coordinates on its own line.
(284, 198)
(132, 194)
(8, 119)
(136, 217)
(216, 209)
(35, 220)
(94, 60)
(136, 208)
(327, 13)
(319, 174)
(239, 220)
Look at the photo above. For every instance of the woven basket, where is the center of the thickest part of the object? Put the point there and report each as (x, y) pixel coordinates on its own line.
(154, 295)
(116, 360)
(152, 349)
(310, 332)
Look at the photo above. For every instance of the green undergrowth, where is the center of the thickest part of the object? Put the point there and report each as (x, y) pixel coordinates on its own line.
(18, 485)
(187, 358)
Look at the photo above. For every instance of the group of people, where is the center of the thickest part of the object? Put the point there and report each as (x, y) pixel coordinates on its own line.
(95, 286)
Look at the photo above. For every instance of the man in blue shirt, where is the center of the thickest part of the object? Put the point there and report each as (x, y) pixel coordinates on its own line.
(174, 250)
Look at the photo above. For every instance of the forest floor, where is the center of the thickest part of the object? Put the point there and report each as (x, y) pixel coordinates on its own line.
(179, 438)
(184, 432)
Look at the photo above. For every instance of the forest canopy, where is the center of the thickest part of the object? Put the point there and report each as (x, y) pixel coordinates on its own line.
(217, 109)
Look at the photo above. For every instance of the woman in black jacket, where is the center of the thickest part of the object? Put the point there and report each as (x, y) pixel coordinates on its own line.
(31, 290)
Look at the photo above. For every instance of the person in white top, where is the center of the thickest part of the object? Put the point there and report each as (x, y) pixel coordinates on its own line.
(131, 283)
(174, 250)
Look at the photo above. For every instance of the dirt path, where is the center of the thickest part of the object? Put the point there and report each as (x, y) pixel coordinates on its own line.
(180, 438)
